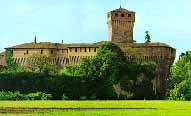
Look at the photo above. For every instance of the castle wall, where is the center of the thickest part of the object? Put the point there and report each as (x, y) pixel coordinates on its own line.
(33, 52)
(2, 60)
(77, 53)
(162, 55)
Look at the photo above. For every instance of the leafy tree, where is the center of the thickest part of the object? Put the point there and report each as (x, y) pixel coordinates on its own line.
(11, 65)
(147, 36)
(180, 77)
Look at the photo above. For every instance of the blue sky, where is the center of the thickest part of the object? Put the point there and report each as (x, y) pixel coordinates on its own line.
(73, 21)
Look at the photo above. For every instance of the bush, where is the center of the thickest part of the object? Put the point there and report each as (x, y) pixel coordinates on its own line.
(38, 96)
(18, 96)
(181, 91)
(83, 98)
(64, 97)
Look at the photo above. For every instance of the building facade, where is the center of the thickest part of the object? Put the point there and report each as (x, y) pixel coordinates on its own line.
(120, 31)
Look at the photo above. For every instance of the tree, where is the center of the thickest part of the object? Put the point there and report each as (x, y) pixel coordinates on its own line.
(180, 76)
(147, 36)
(11, 65)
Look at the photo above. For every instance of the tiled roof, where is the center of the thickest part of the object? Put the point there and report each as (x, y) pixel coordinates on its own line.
(35, 45)
(149, 44)
(49, 45)
(122, 10)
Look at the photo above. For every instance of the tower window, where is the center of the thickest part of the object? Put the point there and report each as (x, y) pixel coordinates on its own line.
(116, 15)
(122, 15)
(129, 15)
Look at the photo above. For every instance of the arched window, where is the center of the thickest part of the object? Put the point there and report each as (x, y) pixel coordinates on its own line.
(122, 15)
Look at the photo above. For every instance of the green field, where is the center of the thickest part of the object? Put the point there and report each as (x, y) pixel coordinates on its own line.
(95, 108)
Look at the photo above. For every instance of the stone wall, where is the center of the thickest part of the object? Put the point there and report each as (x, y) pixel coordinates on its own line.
(2, 60)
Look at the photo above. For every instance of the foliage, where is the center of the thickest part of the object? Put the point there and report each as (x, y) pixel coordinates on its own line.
(27, 82)
(42, 64)
(106, 69)
(139, 81)
(180, 76)
(11, 66)
(18, 96)
(3, 68)
(147, 36)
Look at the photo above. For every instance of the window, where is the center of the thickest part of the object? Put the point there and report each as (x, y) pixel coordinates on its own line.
(27, 52)
(76, 50)
(122, 15)
(94, 49)
(41, 51)
(85, 50)
(129, 15)
(51, 52)
(116, 15)
(89, 49)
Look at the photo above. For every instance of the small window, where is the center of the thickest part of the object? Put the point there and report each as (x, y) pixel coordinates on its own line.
(27, 52)
(85, 50)
(94, 49)
(76, 50)
(122, 15)
(116, 15)
(41, 51)
(129, 15)
(51, 52)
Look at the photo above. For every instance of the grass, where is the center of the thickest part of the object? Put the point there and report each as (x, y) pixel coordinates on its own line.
(103, 108)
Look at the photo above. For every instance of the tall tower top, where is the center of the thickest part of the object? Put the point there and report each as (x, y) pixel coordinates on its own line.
(120, 25)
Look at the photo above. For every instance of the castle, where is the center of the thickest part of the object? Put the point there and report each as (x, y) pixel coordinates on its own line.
(120, 31)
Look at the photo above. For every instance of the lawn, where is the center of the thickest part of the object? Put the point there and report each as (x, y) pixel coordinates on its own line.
(95, 108)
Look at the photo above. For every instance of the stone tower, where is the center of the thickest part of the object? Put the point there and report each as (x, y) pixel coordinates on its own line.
(120, 25)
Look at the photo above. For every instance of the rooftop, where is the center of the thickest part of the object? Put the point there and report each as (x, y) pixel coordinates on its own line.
(121, 10)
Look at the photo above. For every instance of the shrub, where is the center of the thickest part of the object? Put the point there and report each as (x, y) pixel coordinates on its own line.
(18, 96)
(83, 98)
(64, 97)
(181, 91)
